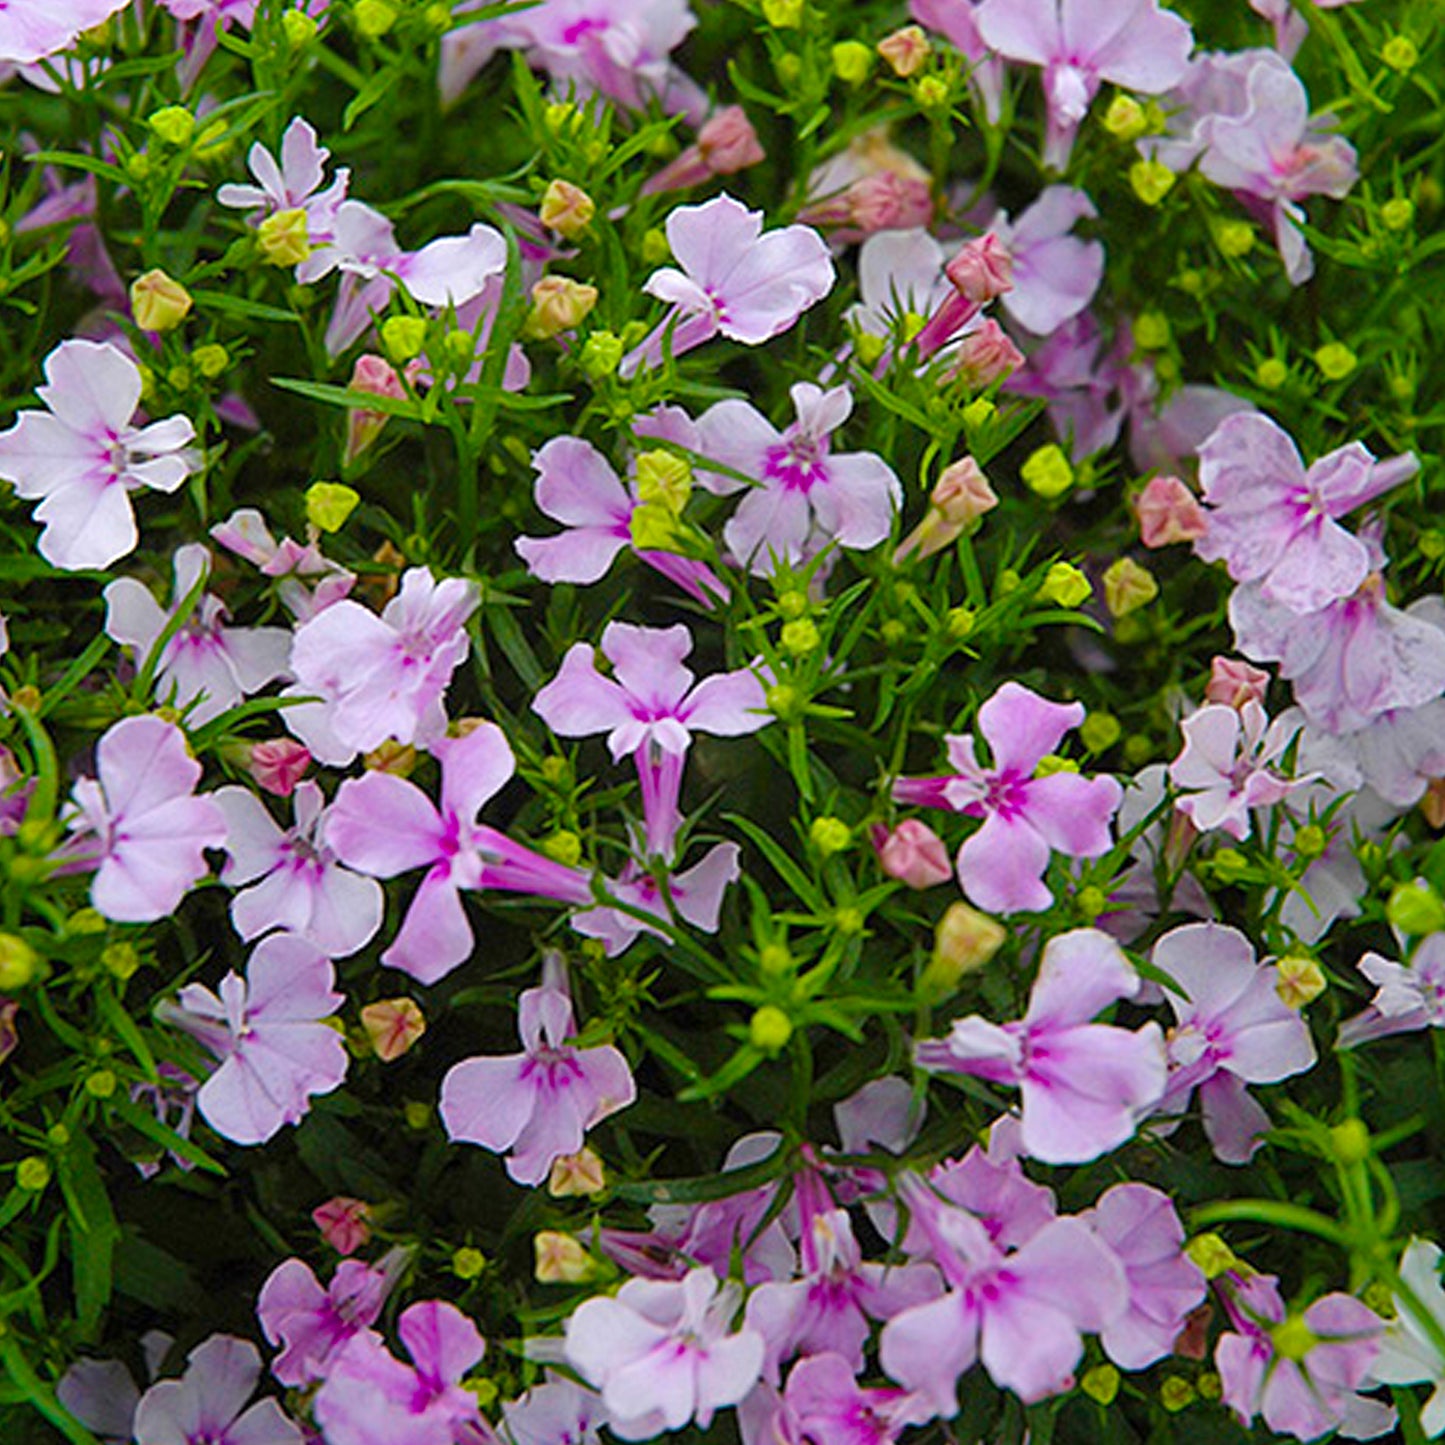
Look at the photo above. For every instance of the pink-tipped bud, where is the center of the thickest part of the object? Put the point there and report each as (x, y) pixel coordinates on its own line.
(1169, 512)
(905, 50)
(345, 1223)
(728, 143)
(982, 270)
(887, 201)
(985, 356)
(393, 1025)
(1234, 682)
(960, 496)
(278, 765)
(913, 854)
(376, 376)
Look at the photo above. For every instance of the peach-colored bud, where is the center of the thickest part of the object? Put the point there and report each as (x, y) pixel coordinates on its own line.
(1192, 1342)
(1432, 805)
(985, 355)
(566, 209)
(1169, 512)
(913, 854)
(9, 1037)
(1234, 682)
(393, 1025)
(558, 304)
(576, 1174)
(728, 143)
(398, 759)
(561, 1259)
(982, 270)
(962, 494)
(905, 50)
(345, 1223)
(278, 765)
(887, 201)
(376, 376)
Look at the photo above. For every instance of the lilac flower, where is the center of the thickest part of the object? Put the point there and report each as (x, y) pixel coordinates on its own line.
(1233, 1029)
(649, 708)
(269, 1032)
(139, 824)
(1353, 660)
(734, 279)
(1226, 763)
(557, 1412)
(1290, 29)
(380, 677)
(370, 1398)
(1001, 866)
(1022, 1313)
(297, 884)
(1408, 996)
(204, 662)
(82, 457)
(102, 1394)
(1083, 1085)
(307, 582)
(1299, 1370)
(1272, 522)
(901, 281)
(829, 1406)
(806, 497)
(31, 32)
(1055, 275)
(537, 1105)
(992, 1186)
(662, 1354)
(1081, 43)
(1409, 1354)
(1140, 1225)
(577, 487)
(314, 1323)
(294, 185)
(204, 1407)
(384, 826)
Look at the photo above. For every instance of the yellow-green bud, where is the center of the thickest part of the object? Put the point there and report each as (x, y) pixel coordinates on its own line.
(1091, 901)
(33, 1173)
(1211, 1255)
(561, 1259)
(1350, 1141)
(566, 209)
(374, 18)
(960, 622)
(18, 962)
(1125, 119)
(868, 348)
(1234, 238)
(402, 338)
(555, 769)
(179, 377)
(601, 355)
(784, 701)
(329, 504)
(783, 14)
(849, 922)
(1300, 981)
(800, 637)
(558, 304)
(1151, 181)
(1230, 865)
(175, 125)
(1336, 361)
(1176, 1393)
(468, 1263)
(655, 250)
(1378, 1297)
(1100, 731)
(1209, 1385)
(1066, 585)
(1400, 53)
(1271, 373)
(158, 303)
(793, 604)
(1151, 330)
(417, 1113)
(654, 528)
(775, 959)
(211, 359)
(120, 960)
(101, 1084)
(283, 238)
(576, 1175)
(965, 940)
(1128, 587)
(979, 413)
(1052, 763)
(1415, 908)
(565, 847)
(769, 1029)
(299, 28)
(58, 1135)
(931, 92)
(86, 921)
(1310, 841)
(1397, 213)
(830, 835)
(852, 60)
(665, 478)
(459, 347)
(1101, 1384)
(1047, 473)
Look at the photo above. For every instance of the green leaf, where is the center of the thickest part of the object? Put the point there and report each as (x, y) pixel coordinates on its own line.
(93, 1231)
(783, 865)
(144, 1122)
(352, 400)
(113, 1011)
(706, 1187)
(226, 304)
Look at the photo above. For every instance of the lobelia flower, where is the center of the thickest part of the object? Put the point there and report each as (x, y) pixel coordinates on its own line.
(1142, 1228)
(1025, 817)
(538, 1105)
(829, 1407)
(204, 1407)
(734, 280)
(1081, 43)
(991, 1186)
(650, 708)
(577, 487)
(31, 32)
(380, 677)
(82, 458)
(1233, 682)
(1233, 1029)
(806, 497)
(1022, 1313)
(1055, 275)
(205, 666)
(139, 824)
(270, 1033)
(1409, 1353)
(1225, 763)
(369, 1397)
(293, 185)
(1083, 1085)
(306, 582)
(1290, 29)
(102, 1394)
(383, 825)
(1297, 1370)
(662, 1353)
(1409, 996)
(557, 1412)
(1272, 522)
(296, 882)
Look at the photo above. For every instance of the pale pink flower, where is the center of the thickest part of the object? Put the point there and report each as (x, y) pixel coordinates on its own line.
(82, 458)
(293, 185)
(1233, 1029)
(901, 281)
(1083, 1085)
(1409, 1354)
(206, 1405)
(871, 186)
(538, 1105)
(1290, 29)
(662, 1353)
(313, 1323)
(1408, 996)
(1226, 766)
(1055, 274)
(205, 666)
(1026, 817)
(557, 1412)
(31, 30)
(139, 824)
(295, 882)
(734, 279)
(979, 272)
(306, 582)
(828, 1406)
(270, 1032)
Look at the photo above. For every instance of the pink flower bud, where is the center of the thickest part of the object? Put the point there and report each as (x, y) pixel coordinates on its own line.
(393, 1025)
(913, 854)
(887, 201)
(982, 270)
(986, 355)
(345, 1223)
(905, 50)
(728, 143)
(1169, 512)
(278, 765)
(376, 375)
(962, 493)
(1234, 682)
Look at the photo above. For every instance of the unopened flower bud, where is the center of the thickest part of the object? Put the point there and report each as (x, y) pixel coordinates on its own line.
(174, 124)
(468, 1263)
(982, 270)
(1432, 805)
(19, 963)
(1397, 213)
(1151, 181)
(665, 478)
(930, 92)
(783, 14)
(1271, 373)
(33, 1173)
(654, 528)
(211, 359)
(830, 835)
(769, 1029)
(1177, 1393)
(852, 60)
(403, 338)
(1101, 1384)
(278, 764)
(558, 304)
(913, 854)
(345, 1223)
(1300, 981)
(560, 1259)
(964, 941)
(1125, 118)
(727, 142)
(1400, 53)
(299, 28)
(566, 209)
(960, 496)
(374, 17)
(1235, 682)
(283, 239)
(800, 637)
(1066, 585)
(576, 1175)
(158, 303)
(1335, 361)
(1234, 239)
(1047, 472)
(1169, 512)
(564, 846)
(398, 759)
(1415, 908)
(329, 504)
(1128, 587)
(601, 355)
(905, 50)
(393, 1025)
(1100, 731)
